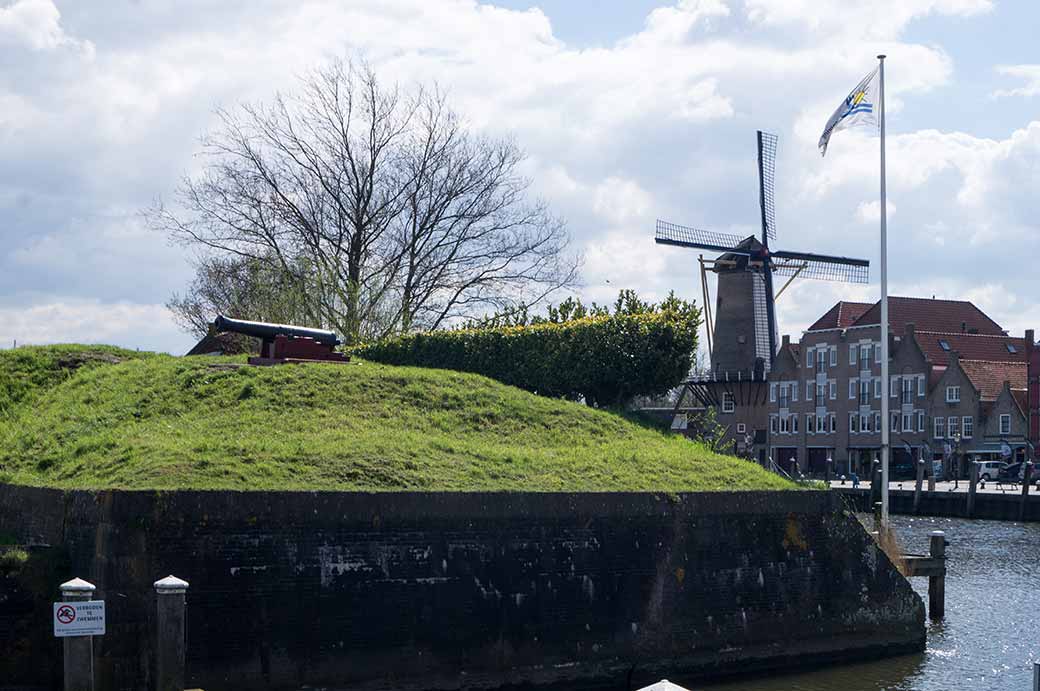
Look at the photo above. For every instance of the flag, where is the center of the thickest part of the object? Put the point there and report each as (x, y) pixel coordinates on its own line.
(859, 108)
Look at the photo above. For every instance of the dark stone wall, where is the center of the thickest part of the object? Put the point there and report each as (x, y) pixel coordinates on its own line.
(1005, 506)
(460, 590)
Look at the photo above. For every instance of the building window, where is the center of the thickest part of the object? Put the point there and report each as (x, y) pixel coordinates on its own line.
(945, 345)
(1005, 424)
(741, 428)
(784, 424)
(953, 426)
(809, 358)
(821, 394)
(853, 423)
(877, 387)
(834, 422)
(908, 391)
(893, 387)
(864, 393)
(864, 423)
(908, 422)
(794, 424)
(834, 356)
(894, 426)
(877, 422)
(728, 403)
(953, 394)
(821, 360)
(833, 389)
(852, 389)
(785, 400)
(774, 426)
(877, 353)
(821, 424)
(810, 424)
(920, 421)
(808, 390)
(852, 353)
(920, 385)
(940, 427)
(794, 391)
(772, 393)
(1011, 348)
(967, 427)
(864, 357)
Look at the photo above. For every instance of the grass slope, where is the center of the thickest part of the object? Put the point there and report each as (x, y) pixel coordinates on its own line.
(164, 422)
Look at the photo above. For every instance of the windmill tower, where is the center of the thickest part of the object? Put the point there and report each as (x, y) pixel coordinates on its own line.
(743, 338)
(742, 329)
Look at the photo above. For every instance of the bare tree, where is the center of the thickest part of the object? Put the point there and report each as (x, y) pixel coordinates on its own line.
(377, 209)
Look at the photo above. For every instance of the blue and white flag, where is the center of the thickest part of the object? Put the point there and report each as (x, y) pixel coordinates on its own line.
(859, 108)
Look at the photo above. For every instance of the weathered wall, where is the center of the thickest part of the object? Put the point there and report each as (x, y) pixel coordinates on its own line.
(451, 590)
(1005, 506)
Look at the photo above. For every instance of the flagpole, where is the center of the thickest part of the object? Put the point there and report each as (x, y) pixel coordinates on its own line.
(885, 382)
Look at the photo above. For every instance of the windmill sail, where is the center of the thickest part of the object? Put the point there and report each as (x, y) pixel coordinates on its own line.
(767, 184)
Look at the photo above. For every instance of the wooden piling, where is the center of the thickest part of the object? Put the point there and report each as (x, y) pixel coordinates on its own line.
(974, 483)
(917, 486)
(937, 579)
(875, 482)
(1027, 476)
(877, 519)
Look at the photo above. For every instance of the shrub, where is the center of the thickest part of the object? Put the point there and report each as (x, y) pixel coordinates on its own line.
(604, 359)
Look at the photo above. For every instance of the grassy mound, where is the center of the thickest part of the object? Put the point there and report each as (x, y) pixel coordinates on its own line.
(164, 422)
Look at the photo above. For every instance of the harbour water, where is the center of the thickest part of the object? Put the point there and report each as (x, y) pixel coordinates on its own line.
(990, 637)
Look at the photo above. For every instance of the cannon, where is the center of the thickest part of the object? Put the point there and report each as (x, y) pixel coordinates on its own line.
(281, 343)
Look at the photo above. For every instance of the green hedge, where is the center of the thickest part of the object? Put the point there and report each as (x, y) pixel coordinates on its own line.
(606, 360)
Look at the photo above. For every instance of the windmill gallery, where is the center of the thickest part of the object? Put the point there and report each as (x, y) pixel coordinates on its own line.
(958, 380)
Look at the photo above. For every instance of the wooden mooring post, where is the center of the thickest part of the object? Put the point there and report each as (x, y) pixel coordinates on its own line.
(973, 485)
(934, 567)
(1027, 476)
(917, 486)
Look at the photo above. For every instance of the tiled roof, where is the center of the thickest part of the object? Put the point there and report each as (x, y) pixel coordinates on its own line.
(970, 347)
(950, 316)
(842, 315)
(989, 377)
(1021, 398)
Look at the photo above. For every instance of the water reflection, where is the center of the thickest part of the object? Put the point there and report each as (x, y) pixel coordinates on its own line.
(990, 637)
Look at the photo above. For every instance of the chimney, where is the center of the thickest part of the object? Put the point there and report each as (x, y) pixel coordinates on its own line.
(786, 340)
(1029, 340)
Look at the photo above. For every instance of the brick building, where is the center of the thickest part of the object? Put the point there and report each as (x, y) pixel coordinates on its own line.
(958, 389)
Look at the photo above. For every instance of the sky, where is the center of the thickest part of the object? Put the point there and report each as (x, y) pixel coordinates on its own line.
(629, 112)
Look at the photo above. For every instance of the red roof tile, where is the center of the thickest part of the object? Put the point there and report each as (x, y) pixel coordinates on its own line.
(970, 347)
(988, 377)
(950, 316)
(842, 315)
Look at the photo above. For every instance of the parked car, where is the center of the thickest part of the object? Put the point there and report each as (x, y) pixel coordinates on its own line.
(990, 470)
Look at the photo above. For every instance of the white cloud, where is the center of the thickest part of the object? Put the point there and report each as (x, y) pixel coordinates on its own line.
(870, 212)
(73, 320)
(1029, 73)
(34, 24)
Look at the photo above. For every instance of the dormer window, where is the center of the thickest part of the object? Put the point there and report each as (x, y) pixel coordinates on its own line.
(944, 344)
(1011, 348)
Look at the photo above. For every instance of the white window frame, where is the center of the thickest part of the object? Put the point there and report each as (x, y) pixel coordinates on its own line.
(864, 388)
(877, 422)
(729, 403)
(1005, 417)
(833, 422)
(772, 392)
(834, 356)
(809, 359)
(967, 427)
(853, 389)
(794, 424)
(920, 421)
(908, 422)
(877, 388)
(794, 391)
(785, 425)
(774, 424)
(864, 423)
(853, 424)
(833, 386)
(821, 424)
(864, 349)
(877, 353)
(893, 387)
(953, 394)
(741, 428)
(853, 353)
(953, 422)
(809, 388)
(893, 425)
(920, 386)
(810, 424)
(939, 427)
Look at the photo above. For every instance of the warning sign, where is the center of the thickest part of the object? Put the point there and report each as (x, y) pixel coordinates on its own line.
(79, 618)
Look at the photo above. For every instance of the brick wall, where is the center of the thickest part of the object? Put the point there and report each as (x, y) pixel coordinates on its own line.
(452, 590)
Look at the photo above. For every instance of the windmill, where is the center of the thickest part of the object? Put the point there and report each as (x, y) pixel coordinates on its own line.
(743, 338)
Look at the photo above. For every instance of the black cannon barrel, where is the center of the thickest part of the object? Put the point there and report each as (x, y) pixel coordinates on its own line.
(267, 331)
